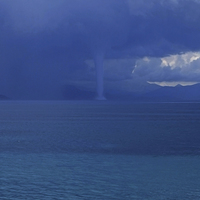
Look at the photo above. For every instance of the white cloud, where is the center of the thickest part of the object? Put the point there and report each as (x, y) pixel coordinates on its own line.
(180, 60)
(181, 69)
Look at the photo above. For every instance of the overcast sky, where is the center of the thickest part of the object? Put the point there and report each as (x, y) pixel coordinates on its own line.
(46, 44)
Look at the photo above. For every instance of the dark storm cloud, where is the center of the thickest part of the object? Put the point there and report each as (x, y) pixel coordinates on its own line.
(165, 27)
(139, 26)
(45, 42)
(95, 24)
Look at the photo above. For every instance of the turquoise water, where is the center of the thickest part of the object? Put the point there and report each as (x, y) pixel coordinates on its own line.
(96, 176)
(99, 150)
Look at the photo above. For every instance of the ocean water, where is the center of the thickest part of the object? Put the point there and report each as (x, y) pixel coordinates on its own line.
(99, 150)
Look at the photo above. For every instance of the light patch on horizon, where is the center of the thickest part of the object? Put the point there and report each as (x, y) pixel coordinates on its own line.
(173, 83)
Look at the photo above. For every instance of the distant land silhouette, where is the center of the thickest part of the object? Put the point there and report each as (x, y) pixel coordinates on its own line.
(3, 97)
(178, 93)
(71, 92)
(160, 94)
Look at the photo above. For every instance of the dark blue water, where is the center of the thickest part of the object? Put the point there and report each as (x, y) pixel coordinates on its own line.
(99, 150)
